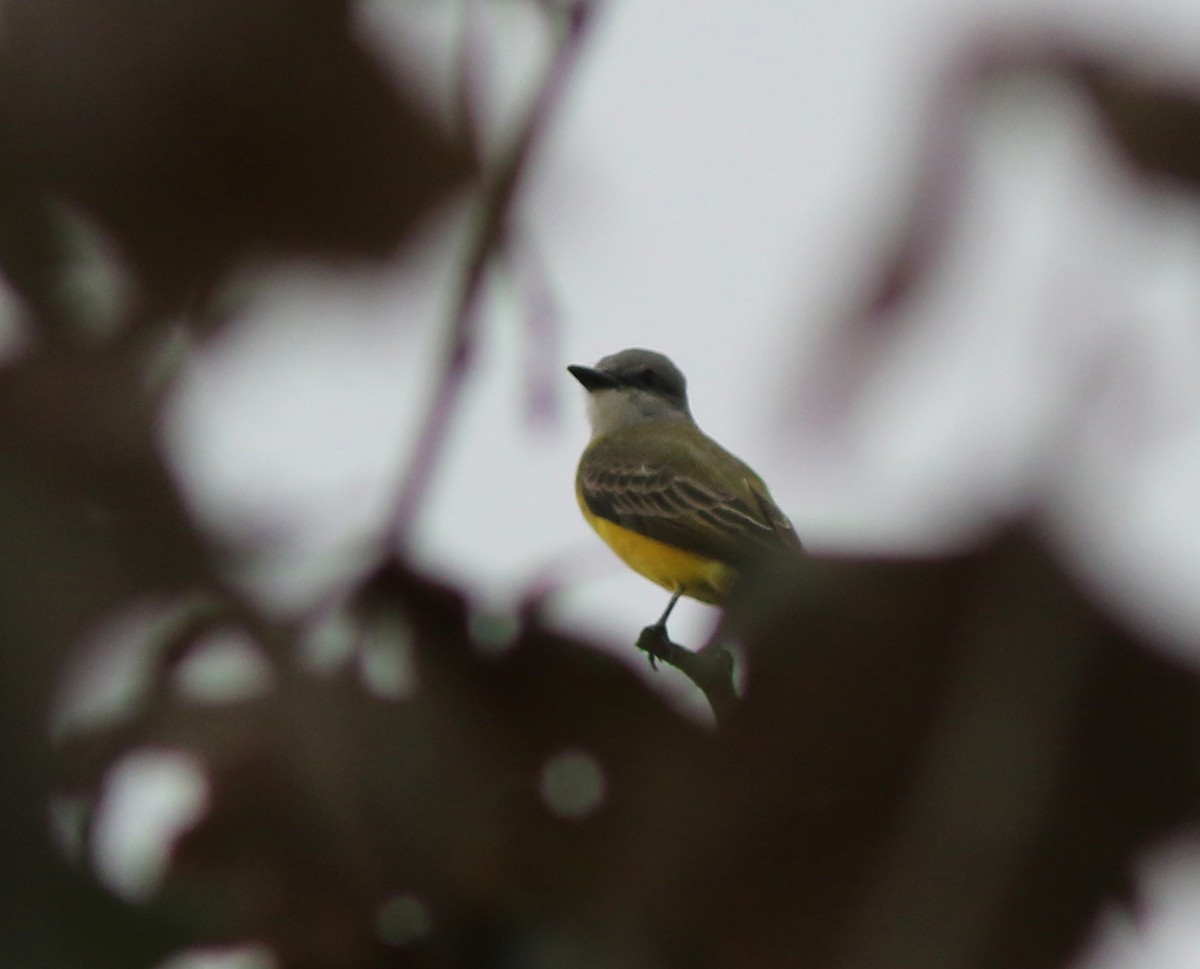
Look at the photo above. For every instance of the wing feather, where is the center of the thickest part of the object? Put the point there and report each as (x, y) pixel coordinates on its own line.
(728, 515)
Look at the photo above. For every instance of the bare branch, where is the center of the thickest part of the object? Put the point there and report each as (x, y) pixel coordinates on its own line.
(524, 266)
(710, 668)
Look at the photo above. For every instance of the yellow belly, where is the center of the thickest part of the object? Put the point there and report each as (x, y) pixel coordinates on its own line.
(674, 569)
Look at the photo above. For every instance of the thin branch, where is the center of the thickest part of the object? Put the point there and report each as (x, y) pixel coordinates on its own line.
(527, 271)
(710, 668)
(489, 239)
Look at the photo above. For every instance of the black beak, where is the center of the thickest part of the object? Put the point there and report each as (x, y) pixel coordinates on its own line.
(592, 379)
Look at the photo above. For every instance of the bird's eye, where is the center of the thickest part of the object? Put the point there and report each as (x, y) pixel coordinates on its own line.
(648, 379)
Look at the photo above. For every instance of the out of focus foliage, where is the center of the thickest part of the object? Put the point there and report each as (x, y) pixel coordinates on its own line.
(945, 764)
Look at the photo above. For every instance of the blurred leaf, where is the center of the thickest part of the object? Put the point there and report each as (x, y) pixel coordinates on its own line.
(973, 752)
(948, 763)
(203, 133)
(1156, 125)
(327, 800)
(89, 519)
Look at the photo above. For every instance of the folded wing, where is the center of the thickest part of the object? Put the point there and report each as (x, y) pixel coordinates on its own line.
(727, 515)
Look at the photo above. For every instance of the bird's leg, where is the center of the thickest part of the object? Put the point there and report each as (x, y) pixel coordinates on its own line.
(654, 640)
(662, 620)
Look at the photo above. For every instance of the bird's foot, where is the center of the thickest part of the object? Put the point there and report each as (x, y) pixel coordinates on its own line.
(656, 644)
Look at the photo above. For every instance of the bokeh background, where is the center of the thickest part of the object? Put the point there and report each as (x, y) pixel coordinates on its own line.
(930, 268)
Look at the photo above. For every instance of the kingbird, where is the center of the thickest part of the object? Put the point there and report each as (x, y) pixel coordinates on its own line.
(668, 499)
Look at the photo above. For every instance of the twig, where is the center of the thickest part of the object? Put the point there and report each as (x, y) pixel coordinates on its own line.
(489, 239)
(710, 668)
(527, 271)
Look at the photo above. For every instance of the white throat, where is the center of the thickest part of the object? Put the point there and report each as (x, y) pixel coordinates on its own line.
(611, 410)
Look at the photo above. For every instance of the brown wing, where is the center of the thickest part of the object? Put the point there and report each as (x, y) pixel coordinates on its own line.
(729, 515)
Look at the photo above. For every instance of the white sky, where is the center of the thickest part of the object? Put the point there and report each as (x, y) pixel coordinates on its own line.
(720, 174)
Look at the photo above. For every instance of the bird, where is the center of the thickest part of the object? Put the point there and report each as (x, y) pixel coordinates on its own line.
(670, 501)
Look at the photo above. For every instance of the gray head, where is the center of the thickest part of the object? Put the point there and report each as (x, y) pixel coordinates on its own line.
(631, 387)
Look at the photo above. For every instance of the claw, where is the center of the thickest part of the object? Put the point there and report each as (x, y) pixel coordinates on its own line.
(655, 643)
